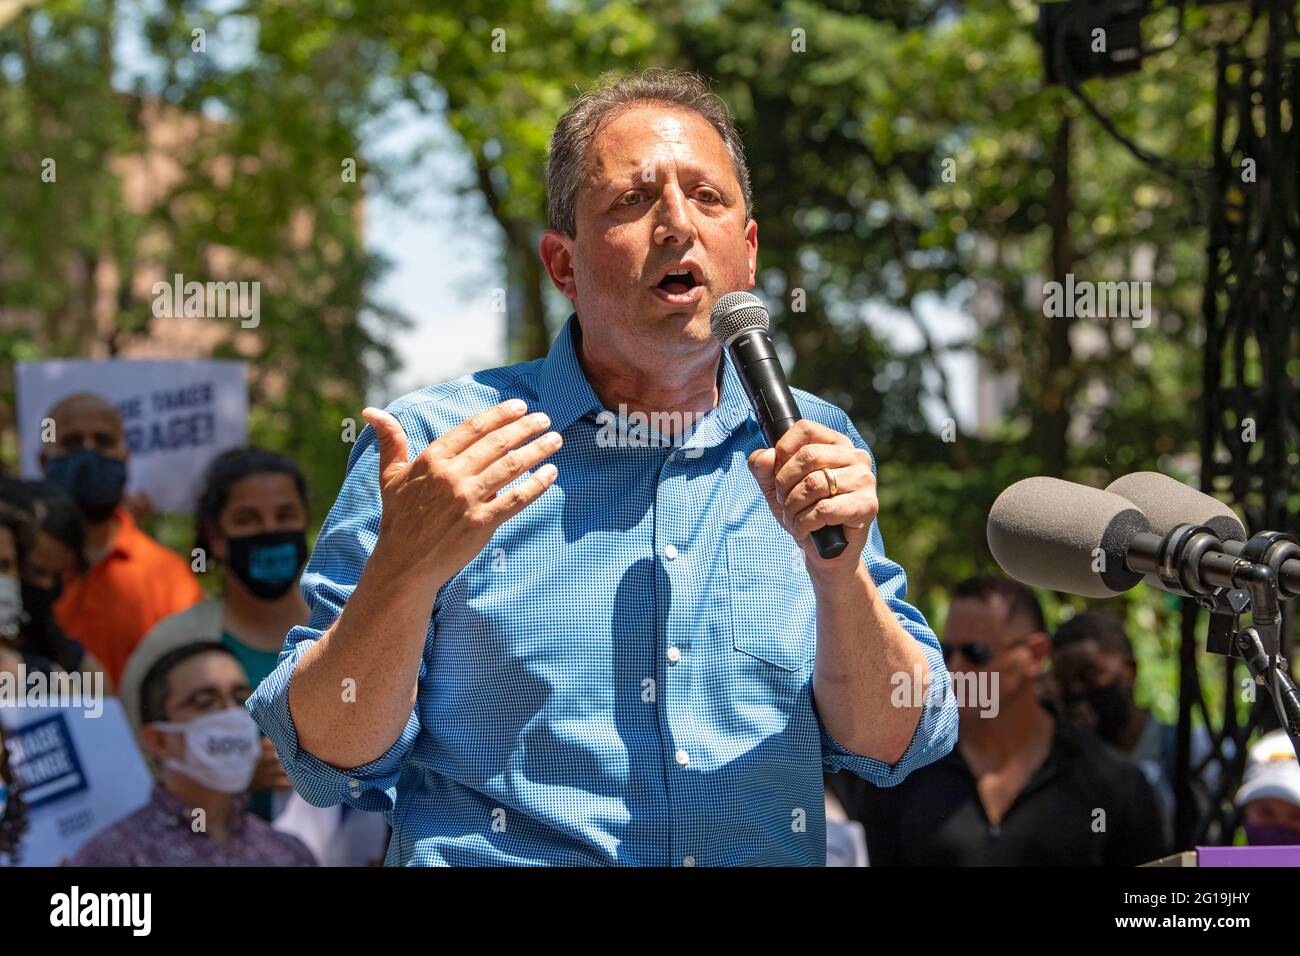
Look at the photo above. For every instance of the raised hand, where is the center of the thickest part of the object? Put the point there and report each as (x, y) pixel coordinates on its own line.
(441, 509)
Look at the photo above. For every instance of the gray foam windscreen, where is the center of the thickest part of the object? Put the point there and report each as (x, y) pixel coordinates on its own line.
(1167, 502)
(737, 312)
(1056, 534)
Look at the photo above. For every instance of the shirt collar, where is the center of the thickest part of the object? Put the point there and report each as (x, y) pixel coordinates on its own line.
(732, 410)
(562, 387)
(566, 395)
(124, 535)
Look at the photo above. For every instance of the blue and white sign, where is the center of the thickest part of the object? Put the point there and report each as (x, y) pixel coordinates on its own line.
(77, 773)
(177, 416)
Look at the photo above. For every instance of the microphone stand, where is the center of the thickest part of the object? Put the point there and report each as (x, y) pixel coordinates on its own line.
(1191, 560)
(1260, 644)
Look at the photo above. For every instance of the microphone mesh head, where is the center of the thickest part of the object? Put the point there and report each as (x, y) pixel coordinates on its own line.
(737, 312)
(1168, 502)
(1050, 533)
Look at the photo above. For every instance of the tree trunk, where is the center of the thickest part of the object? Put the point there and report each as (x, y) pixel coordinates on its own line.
(1051, 420)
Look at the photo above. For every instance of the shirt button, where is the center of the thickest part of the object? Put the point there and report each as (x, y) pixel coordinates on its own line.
(682, 758)
(354, 783)
(670, 552)
(674, 654)
(688, 861)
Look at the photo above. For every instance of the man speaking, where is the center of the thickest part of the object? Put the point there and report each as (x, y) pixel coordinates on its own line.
(532, 645)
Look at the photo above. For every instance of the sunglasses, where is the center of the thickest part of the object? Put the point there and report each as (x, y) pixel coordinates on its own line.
(978, 653)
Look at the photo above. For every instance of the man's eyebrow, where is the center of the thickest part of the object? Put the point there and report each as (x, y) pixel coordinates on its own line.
(633, 177)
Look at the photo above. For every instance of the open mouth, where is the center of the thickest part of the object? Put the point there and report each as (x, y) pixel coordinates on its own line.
(679, 287)
(678, 281)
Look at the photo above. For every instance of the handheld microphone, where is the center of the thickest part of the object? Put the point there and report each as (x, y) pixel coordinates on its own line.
(739, 320)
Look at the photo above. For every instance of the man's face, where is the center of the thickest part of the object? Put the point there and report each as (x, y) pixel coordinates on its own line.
(979, 628)
(1097, 686)
(87, 426)
(48, 561)
(203, 684)
(661, 194)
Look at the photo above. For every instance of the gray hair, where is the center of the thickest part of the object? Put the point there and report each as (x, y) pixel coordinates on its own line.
(566, 164)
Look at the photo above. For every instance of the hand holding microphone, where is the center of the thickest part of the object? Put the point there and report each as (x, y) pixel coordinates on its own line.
(816, 481)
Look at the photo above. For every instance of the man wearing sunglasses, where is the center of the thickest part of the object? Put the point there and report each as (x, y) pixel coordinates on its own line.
(1023, 787)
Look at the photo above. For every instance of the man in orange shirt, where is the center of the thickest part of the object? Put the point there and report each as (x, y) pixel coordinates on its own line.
(131, 582)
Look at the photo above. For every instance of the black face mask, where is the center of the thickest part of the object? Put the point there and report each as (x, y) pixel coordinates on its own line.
(39, 602)
(267, 563)
(1109, 704)
(94, 481)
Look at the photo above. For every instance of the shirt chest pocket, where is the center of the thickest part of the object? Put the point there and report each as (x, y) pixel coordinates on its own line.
(772, 609)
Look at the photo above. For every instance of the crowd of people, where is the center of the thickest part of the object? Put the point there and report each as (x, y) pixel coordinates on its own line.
(83, 587)
(1059, 766)
(1055, 763)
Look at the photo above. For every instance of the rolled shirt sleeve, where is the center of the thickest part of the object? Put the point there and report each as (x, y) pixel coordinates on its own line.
(936, 731)
(345, 543)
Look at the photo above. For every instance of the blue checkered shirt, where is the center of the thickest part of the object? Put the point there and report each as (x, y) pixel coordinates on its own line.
(624, 674)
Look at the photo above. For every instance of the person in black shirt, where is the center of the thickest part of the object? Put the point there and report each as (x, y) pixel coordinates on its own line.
(1023, 786)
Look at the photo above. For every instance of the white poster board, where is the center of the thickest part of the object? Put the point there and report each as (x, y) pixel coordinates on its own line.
(178, 416)
(78, 773)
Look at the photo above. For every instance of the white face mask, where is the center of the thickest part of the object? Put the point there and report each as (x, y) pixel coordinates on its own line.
(11, 606)
(221, 749)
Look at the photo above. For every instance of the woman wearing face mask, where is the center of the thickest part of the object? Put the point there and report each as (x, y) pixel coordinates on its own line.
(204, 748)
(16, 636)
(57, 538)
(13, 819)
(1269, 796)
(251, 521)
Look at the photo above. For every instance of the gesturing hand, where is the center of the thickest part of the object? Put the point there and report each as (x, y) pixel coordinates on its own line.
(441, 509)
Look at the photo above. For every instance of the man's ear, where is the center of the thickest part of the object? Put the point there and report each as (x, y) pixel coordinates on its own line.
(1040, 647)
(556, 251)
(751, 246)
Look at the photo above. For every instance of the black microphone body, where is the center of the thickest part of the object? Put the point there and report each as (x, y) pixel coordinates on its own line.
(760, 372)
